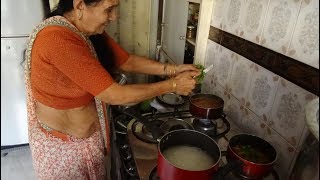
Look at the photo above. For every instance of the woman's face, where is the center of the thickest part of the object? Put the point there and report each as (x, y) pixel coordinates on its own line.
(98, 15)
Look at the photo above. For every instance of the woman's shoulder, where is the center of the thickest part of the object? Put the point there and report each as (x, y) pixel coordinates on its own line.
(56, 31)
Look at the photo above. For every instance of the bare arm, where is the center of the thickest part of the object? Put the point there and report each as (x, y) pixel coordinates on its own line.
(122, 94)
(139, 64)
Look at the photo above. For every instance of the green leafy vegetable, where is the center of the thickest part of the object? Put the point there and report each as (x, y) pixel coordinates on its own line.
(200, 78)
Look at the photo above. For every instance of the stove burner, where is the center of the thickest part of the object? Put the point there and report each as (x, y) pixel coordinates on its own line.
(205, 126)
(142, 133)
(153, 175)
(174, 124)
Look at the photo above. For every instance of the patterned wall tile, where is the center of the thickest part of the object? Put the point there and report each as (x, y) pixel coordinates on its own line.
(285, 151)
(301, 142)
(252, 22)
(218, 90)
(305, 41)
(218, 10)
(299, 73)
(287, 114)
(253, 124)
(262, 91)
(212, 54)
(223, 69)
(233, 111)
(234, 12)
(240, 77)
(280, 20)
(211, 58)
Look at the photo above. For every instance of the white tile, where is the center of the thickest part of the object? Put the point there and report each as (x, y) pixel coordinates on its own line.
(280, 20)
(218, 90)
(253, 124)
(218, 11)
(232, 16)
(285, 152)
(233, 111)
(304, 46)
(223, 69)
(252, 21)
(262, 91)
(240, 77)
(287, 114)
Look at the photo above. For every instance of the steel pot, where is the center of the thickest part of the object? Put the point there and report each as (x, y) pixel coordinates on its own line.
(248, 162)
(168, 171)
(206, 106)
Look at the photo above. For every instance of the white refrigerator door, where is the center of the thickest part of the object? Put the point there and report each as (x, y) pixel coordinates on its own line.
(13, 94)
(19, 17)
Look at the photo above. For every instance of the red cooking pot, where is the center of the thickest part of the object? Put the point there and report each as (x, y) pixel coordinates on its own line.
(252, 156)
(171, 169)
(206, 106)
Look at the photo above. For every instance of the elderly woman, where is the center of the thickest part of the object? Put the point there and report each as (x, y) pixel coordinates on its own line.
(69, 61)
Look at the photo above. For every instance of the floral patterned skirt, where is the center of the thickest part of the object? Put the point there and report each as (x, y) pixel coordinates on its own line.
(66, 158)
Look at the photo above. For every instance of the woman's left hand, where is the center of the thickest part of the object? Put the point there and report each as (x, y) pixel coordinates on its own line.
(186, 67)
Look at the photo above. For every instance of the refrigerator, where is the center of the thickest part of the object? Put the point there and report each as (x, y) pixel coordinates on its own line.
(18, 18)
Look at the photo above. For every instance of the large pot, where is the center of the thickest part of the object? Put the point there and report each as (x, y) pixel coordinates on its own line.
(242, 154)
(170, 171)
(206, 106)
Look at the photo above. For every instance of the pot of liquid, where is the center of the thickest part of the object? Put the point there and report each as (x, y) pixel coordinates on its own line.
(187, 155)
(206, 106)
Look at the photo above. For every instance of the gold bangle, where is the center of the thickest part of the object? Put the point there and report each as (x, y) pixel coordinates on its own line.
(174, 70)
(174, 85)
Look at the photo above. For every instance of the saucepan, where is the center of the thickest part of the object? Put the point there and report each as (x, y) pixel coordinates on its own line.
(206, 106)
(251, 156)
(187, 155)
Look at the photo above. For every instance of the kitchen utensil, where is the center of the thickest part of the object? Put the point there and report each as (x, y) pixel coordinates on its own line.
(200, 77)
(171, 99)
(206, 70)
(251, 155)
(168, 171)
(206, 106)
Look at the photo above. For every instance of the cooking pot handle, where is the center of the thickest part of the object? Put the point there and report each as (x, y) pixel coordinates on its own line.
(223, 171)
(223, 117)
(154, 130)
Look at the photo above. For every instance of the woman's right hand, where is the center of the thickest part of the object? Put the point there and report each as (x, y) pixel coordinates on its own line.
(185, 82)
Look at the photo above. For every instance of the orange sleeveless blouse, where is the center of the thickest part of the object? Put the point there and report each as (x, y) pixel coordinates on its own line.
(65, 74)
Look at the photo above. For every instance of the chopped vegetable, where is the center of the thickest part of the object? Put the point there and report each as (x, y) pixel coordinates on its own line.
(200, 78)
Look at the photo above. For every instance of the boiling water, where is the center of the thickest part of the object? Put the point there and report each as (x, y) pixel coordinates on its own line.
(188, 158)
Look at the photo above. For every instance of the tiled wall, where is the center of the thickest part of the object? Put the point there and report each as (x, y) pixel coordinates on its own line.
(256, 99)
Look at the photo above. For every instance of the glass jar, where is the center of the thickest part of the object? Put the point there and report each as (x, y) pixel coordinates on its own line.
(190, 32)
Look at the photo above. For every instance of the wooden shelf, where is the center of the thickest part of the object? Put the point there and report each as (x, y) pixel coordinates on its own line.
(195, 1)
(192, 41)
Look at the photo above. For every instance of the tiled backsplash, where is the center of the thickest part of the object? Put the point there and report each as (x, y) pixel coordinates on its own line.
(258, 100)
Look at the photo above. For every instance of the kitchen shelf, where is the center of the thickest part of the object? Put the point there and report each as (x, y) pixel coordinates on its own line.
(192, 41)
(195, 1)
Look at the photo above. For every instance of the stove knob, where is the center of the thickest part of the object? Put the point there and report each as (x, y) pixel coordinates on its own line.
(131, 170)
(128, 156)
(124, 147)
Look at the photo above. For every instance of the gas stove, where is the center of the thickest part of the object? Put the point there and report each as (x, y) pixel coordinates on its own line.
(137, 148)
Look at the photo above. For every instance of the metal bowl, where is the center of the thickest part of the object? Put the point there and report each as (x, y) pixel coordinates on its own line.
(171, 99)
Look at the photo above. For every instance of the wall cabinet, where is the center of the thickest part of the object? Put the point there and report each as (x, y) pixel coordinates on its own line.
(177, 43)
